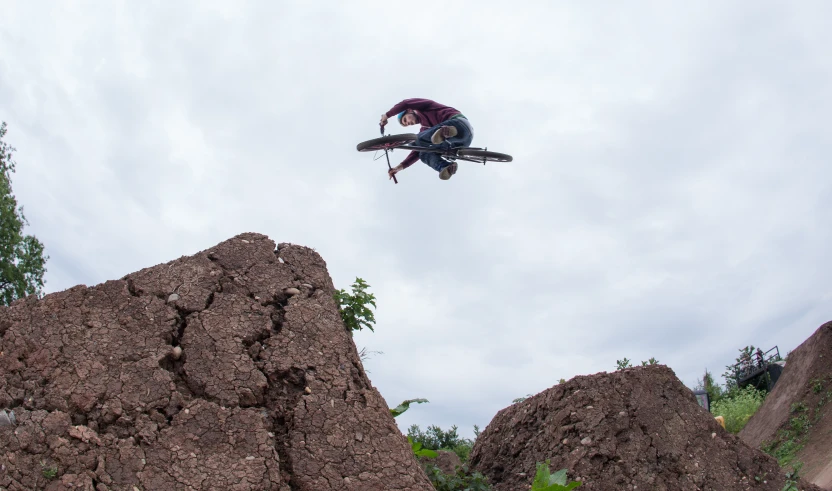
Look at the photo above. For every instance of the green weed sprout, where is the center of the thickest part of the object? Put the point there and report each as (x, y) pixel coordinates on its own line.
(544, 481)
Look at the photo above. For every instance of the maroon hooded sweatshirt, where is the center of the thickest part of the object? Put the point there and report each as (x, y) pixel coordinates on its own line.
(430, 113)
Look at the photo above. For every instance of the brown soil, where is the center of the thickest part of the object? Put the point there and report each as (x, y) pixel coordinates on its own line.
(806, 379)
(638, 428)
(229, 369)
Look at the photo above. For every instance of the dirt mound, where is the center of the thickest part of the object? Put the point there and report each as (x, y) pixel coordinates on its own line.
(228, 369)
(797, 409)
(638, 428)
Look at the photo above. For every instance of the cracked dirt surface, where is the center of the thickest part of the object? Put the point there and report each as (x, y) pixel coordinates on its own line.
(638, 428)
(200, 373)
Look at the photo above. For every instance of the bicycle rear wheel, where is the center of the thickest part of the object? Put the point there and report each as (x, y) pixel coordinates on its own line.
(386, 142)
(483, 155)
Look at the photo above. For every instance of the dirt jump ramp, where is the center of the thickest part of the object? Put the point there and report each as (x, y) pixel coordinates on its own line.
(634, 429)
(229, 369)
(799, 409)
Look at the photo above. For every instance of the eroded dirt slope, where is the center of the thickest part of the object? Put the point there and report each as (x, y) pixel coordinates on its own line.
(638, 428)
(803, 392)
(228, 369)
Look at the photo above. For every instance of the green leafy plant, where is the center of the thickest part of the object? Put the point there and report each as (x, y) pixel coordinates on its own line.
(738, 407)
(622, 364)
(405, 405)
(419, 451)
(817, 385)
(791, 438)
(791, 480)
(520, 399)
(462, 479)
(353, 306)
(544, 481)
(651, 361)
(48, 471)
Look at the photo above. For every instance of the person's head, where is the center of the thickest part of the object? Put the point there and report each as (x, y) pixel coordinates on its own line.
(408, 117)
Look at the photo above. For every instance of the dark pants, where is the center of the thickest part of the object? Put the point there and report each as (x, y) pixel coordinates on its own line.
(463, 138)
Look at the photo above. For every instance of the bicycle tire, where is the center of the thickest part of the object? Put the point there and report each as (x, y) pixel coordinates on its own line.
(484, 154)
(386, 142)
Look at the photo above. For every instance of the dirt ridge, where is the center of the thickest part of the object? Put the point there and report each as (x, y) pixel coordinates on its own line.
(226, 369)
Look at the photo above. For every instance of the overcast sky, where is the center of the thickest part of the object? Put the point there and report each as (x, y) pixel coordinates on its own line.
(670, 194)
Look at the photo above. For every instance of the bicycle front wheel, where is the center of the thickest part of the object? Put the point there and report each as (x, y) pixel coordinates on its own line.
(388, 142)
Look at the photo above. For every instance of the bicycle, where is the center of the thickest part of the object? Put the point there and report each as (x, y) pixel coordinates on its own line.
(405, 141)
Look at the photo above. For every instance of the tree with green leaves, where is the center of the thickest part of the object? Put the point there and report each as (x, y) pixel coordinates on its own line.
(22, 262)
(732, 371)
(707, 384)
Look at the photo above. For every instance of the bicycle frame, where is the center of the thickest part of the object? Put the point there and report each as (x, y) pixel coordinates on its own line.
(446, 155)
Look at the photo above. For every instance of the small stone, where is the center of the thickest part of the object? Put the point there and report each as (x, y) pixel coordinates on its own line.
(250, 457)
(622, 413)
(256, 297)
(280, 260)
(586, 441)
(713, 435)
(307, 285)
(589, 407)
(173, 297)
(6, 419)
(244, 241)
(292, 291)
(566, 441)
(307, 390)
(187, 411)
(176, 352)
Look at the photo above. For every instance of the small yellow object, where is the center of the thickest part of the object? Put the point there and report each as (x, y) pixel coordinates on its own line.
(721, 421)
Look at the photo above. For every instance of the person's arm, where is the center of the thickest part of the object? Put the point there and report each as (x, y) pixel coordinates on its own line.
(415, 103)
(411, 158)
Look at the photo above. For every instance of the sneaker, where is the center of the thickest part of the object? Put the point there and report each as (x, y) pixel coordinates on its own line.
(442, 133)
(448, 171)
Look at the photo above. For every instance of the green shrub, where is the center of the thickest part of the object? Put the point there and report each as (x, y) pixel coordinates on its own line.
(437, 439)
(353, 306)
(461, 480)
(738, 406)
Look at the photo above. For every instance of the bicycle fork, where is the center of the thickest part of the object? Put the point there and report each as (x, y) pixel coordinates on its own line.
(381, 129)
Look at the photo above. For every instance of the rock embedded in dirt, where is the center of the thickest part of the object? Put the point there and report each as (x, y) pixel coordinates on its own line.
(228, 384)
(638, 428)
(802, 392)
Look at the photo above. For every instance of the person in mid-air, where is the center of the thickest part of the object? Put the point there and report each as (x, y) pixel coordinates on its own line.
(442, 127)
